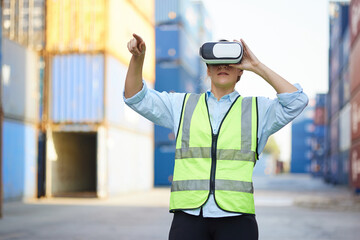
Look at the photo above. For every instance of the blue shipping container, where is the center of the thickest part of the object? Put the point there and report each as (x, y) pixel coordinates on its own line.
(320, 100)
(19, 160)
(171, 76)
(164, 164)
(77, 94)
(345, 48)
(163, 135)
(173, 44)
(180, 12)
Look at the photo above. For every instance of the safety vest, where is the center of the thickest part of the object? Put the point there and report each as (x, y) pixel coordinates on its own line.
(220, 163)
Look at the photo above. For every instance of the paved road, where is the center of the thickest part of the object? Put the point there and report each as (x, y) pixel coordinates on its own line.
(288, 207)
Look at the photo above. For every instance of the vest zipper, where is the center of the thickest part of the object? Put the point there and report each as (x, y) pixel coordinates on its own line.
(213, 162)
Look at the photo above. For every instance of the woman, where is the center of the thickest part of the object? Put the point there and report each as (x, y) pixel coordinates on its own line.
(220, 135)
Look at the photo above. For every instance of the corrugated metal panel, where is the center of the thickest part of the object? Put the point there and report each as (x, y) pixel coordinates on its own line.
(354, 170)
(164, 164)
(24, 21)
(335, 100)
(334, 134)
(117, 112)
(345, 123)
(163, 135)
(354, 20)
(172, 43)
(19, 160)
(319, 118)
(77, 92)
(146, 7)
(75, 25)
(121, 12)
(128, 168)
(320, 100)
(344, 167)
(205, 23)
(345, 87)
(354, 66)
(345, 48)
(170, 76)
(335, 61)
(20, 71)
(355, 116)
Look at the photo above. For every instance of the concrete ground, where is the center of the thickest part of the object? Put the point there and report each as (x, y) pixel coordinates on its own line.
(287, 206)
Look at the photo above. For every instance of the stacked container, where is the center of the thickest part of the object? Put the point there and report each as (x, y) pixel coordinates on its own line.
(93, 138)
(302, 130)
(336, 161)
(23, 31)
(354, 72)
(318, 140)
(181, 27)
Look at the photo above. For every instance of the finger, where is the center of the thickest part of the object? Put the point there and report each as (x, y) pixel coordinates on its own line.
(142, 47)
(138, 38)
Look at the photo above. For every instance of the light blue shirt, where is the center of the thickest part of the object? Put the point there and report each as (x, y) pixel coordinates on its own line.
(164, 109)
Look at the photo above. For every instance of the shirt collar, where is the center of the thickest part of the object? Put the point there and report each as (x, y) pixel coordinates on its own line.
(231, 96)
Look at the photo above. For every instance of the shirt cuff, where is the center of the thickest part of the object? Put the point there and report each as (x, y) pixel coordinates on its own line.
(137, 97)
(288, 98)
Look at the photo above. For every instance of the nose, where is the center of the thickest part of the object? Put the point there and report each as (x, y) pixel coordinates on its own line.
(225, 66)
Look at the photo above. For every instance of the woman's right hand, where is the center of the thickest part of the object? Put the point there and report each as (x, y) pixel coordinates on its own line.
(136, 46)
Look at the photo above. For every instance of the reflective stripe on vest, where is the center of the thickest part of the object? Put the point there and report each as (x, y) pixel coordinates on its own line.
(234, 158)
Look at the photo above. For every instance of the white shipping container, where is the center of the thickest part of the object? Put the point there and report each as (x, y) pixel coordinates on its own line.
(20, 82)
(130, 161)
(345, 128)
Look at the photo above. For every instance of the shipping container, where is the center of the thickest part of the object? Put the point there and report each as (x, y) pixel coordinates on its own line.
(205, 22)
(75, 26)
(163, 136)
(345, 128)
(345, 48)
(117, 112)
(164, 164)
(354, 20)
(20, 82)
(354, 67)
(355, 116)
(170, 76)
(180, 12)
(122, 13)
(129, 168)
(354, 169)
(173, 44)
(334, 135)
(19, 160)
(320, 100)
(345, 94)
(319, 118)
(343, 176)
(335, 62)
(335, 98)
(71, 166)
(302, 131)
(339, 20)
(146, 8)
(24, 22)
(77, 88)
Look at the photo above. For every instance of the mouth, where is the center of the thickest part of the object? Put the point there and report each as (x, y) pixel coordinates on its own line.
(222, 73)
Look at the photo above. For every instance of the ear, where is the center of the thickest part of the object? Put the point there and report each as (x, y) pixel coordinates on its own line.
(208, 71)
(240, 72)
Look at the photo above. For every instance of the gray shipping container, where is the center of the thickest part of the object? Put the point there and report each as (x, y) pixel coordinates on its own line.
(20, 79)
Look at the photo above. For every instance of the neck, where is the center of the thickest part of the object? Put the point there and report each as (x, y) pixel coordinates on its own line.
(220, 92)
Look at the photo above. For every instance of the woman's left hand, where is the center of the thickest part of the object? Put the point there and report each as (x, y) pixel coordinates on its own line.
(249, 61)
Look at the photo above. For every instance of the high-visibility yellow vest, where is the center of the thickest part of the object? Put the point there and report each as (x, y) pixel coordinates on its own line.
(221, 164)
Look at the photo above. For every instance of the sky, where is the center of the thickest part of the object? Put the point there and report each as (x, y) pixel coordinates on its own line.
(289, 36)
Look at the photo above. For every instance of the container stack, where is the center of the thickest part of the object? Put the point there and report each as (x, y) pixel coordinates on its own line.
(336, 163)
(302, 131)
(354, 72)
(181, 27)
(93, 138)
(22, 70)
(318, 140)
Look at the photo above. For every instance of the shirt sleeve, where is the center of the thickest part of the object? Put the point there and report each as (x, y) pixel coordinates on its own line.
(275, 114)
(161, 108)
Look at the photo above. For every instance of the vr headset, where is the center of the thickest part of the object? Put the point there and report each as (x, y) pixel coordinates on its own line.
(221, 52)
